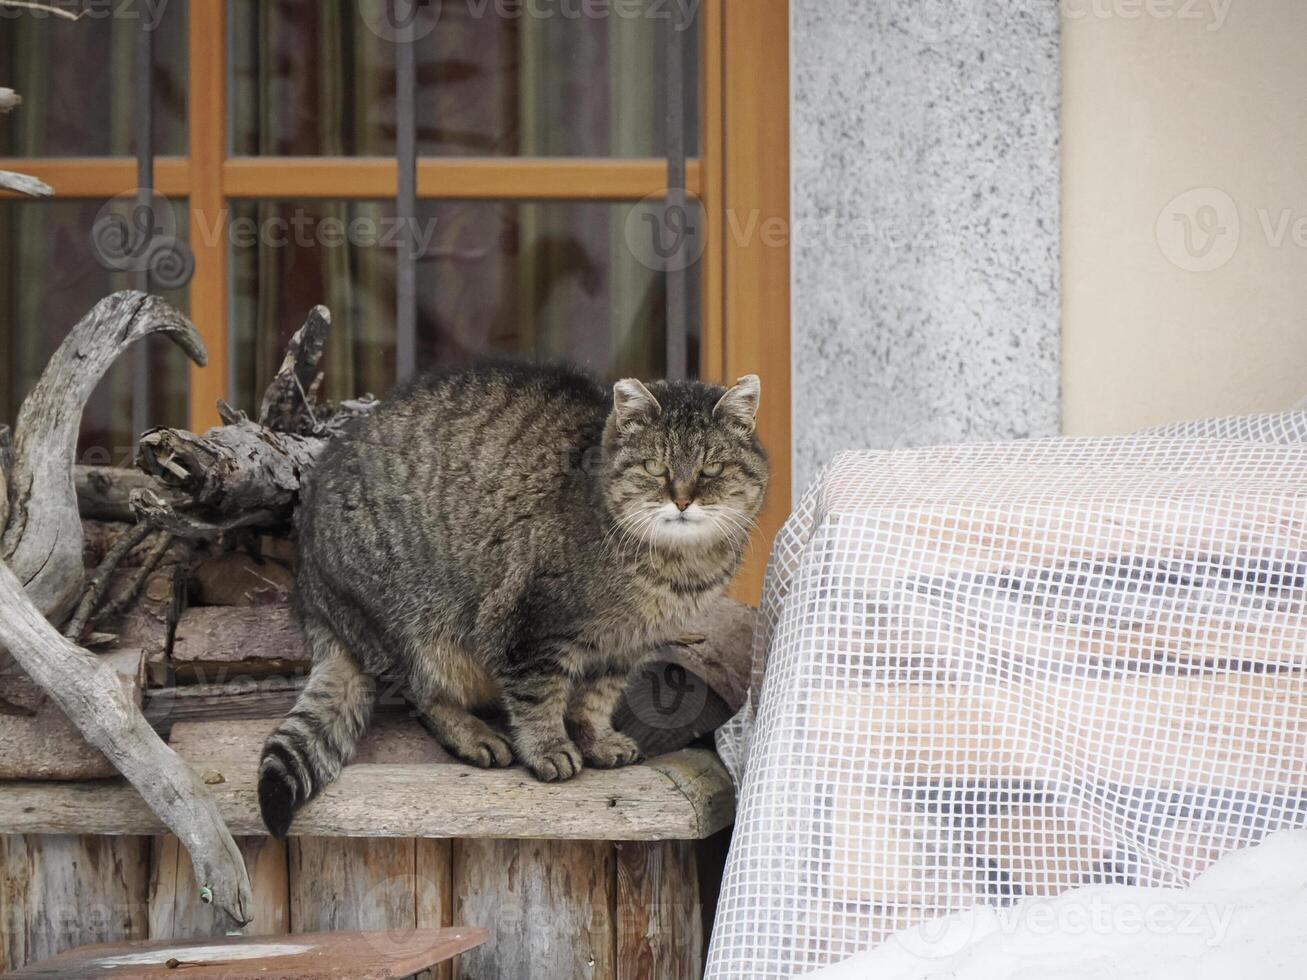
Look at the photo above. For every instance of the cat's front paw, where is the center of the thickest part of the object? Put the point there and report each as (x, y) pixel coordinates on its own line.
(553, 762)
(611, 750)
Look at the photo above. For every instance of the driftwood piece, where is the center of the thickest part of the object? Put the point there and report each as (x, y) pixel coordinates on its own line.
(42, 542)
(90, 694)
(24, 184)
(176, 911)
(232, 470)
(42, 573)
(41, 743)
(104, 492)
(130, 537)
(684, 796)
(287, 404)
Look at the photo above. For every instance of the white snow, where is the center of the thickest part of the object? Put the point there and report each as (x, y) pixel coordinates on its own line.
(1244, 918)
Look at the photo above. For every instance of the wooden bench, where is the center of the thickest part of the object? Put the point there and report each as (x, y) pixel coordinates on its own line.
(596, 877)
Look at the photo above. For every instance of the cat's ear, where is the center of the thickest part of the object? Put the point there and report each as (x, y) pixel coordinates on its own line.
(634, 404)
(739, 406)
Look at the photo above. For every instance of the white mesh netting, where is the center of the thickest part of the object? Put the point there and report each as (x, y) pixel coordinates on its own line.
(1008, 670)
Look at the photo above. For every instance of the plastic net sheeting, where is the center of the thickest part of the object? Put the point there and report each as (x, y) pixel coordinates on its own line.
(1003, 671)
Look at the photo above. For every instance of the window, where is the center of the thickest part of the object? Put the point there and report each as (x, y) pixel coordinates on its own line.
(540, 175)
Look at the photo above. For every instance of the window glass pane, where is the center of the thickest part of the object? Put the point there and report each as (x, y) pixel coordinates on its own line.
(549, 281)
(50, 281)
(495, 78)
(77, 80)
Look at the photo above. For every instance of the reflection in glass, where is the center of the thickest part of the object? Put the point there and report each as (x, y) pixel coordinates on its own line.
(537, 79)
(547, 281)
(50, 280)
(77, 80)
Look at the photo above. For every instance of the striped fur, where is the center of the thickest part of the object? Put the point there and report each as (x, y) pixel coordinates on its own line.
(514, 538)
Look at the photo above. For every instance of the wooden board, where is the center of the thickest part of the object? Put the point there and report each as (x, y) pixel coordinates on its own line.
(352, 955)
(547, 904)
(64, 891)
(216, 643)
(1240, 731)
(657, 909)
(176, 911)
(684, 796)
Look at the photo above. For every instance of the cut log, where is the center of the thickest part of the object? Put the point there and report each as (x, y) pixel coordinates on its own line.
(217, 643)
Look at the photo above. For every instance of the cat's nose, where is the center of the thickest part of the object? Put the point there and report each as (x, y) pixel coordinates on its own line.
(682, 503)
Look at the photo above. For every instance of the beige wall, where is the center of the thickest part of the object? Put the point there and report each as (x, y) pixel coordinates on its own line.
(1159, 99)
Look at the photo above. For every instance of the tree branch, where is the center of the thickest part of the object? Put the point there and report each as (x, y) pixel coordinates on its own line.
(91, 695)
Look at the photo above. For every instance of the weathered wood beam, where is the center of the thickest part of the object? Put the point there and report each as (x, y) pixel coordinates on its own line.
(685, 796)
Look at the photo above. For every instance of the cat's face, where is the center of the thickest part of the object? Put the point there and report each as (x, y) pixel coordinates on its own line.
(683, 467)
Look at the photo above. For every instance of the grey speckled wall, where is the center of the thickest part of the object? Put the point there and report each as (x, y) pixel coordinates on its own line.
(925, 236)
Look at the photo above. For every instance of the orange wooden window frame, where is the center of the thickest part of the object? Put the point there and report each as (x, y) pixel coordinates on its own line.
(741, 180)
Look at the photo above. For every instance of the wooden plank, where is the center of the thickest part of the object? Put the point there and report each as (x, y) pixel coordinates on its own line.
(65, 891)
(215, 643)
(435, 894)
(344, 955)
(100, 178)
(207, 149)
(340, 884)
(391, 740)
(241, 699)
(636, 803)
(451, 178)
(756, 238)
(1238, 731)
(176, 911)
(237, 578)
(547, 904)
(658, 921)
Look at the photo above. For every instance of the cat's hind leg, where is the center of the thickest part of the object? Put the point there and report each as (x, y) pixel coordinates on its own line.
(443, 685)
(466, 736)
(590, 718)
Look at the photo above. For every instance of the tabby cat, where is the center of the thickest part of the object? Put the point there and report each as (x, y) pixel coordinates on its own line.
(515, 538)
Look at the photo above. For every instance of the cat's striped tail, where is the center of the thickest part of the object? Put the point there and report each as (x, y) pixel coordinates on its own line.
(315, 741)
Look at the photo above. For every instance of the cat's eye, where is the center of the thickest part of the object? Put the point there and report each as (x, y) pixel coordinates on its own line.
(654, 468)
(711, 469)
